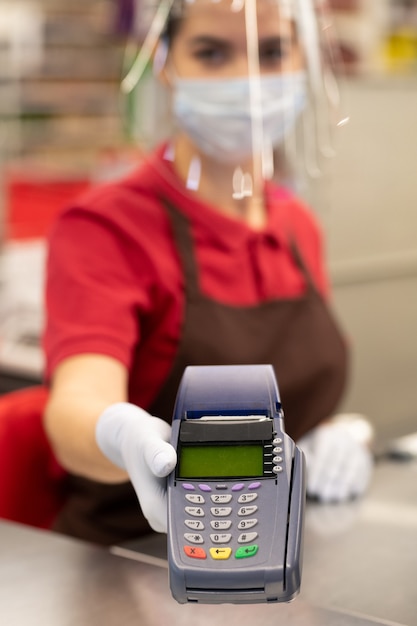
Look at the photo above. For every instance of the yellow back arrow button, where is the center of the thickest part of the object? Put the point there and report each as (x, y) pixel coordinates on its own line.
(220, 553)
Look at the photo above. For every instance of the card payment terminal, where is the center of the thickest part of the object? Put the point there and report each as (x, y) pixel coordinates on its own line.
(236, 498)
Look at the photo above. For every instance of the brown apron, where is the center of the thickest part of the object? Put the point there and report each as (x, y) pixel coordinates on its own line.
(298, 336)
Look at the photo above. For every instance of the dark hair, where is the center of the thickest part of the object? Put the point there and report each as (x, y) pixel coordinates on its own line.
(173, 22)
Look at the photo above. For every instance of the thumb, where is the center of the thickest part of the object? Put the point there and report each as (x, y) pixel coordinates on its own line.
(159, 456)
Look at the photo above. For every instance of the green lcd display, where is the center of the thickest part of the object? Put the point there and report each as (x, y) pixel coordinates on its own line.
(221, 461)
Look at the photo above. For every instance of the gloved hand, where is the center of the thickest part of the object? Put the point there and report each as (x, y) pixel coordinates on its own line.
(137, 442)
(338, 458)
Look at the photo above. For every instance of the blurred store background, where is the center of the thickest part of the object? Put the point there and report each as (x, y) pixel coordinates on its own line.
(63, 126)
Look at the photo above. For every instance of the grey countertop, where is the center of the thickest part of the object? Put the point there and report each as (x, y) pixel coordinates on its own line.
(359, 569)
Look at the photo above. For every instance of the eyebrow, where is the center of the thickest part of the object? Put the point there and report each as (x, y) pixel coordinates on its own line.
(276, 39)
(213, 40)
(206, 40)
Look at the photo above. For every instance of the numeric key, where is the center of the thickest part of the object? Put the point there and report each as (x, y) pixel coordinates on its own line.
(195, 511)
(221, 511)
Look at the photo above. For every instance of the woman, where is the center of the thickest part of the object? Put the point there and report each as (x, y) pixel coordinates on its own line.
(197, 257)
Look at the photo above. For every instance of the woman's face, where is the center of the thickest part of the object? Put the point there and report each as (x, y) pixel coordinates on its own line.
(211, 41)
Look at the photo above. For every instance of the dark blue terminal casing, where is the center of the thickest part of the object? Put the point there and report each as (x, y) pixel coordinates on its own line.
(236, 498)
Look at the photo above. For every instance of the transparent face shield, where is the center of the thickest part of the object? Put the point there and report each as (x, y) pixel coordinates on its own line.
(232, 91)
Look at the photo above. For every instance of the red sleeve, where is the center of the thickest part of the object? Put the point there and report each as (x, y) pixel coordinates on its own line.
(90, 284)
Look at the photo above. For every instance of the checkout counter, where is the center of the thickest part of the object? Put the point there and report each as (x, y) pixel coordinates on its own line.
(360, 562)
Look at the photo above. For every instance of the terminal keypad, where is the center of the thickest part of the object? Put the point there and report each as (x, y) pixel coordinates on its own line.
(207, 509)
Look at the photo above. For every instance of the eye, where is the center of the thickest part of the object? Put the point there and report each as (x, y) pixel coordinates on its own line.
(210, 51)
(210, 55)
(274, 52)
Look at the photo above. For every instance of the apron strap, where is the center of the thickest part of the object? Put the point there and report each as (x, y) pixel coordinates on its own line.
(301, 264)
(185, 247)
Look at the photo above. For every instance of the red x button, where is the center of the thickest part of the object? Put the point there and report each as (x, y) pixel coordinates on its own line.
(195, 553)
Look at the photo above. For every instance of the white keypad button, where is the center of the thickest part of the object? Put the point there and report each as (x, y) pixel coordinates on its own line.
(277, 441)
(247, 497)
(245, 524)
(221, 538)
(194, 524)
(277, 450)
(247, 510)
(195, 511)
(221, 511)
(195, 498)
(193, 538)
(221, 498)
(220, 524)
(277, 469)
(247, 537)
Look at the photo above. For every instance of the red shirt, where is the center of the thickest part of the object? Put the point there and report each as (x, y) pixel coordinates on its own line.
(114, 280)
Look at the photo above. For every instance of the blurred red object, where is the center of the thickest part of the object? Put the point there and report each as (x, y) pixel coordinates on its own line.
(32, 483)
(32, 202)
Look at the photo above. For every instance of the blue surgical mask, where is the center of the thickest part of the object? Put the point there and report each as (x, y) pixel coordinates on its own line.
(218, 116)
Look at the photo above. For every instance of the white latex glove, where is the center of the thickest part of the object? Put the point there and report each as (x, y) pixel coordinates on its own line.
(137, 442)
(338, 458)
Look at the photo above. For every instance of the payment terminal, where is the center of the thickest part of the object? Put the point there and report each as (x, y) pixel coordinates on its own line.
(236, 498)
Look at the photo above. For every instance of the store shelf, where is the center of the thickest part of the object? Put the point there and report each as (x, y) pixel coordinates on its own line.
(68, 103)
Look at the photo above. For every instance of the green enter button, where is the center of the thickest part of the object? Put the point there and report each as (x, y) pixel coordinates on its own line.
(245, 551)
